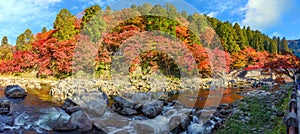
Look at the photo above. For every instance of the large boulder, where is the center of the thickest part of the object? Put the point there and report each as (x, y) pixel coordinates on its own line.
(4, 106)
(15, 91)
(81, 121)
(94, 103)
(153, 109)
(122, 103)
(52, 118)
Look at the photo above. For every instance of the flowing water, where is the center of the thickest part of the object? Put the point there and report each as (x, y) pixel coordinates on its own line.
(40, 100)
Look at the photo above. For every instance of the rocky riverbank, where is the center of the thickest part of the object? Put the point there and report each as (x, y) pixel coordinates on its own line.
(136, 108)
(90, 112)
(26, 83)
(68, 87)
(259, 112)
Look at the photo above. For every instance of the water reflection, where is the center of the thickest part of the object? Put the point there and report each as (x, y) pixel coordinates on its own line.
(229, 96)
(35, 99)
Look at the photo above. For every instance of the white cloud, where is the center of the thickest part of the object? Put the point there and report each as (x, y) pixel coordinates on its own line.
(212, 14)
(261, 14)
(277, 34)
(16, 16)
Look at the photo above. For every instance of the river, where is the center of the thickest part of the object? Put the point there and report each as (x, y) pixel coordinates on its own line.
(37, 100)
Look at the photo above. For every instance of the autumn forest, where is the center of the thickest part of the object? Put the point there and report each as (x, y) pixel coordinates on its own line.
(50, 53)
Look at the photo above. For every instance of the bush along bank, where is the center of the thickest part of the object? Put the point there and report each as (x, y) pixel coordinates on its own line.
(259, 112)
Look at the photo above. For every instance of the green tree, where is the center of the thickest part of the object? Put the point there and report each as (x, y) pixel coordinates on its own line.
(44, 30)
(4, 41)
(133, 6)
(227, 36)
(285, 45)
(245, 35)
(24, 40)
(64, 24)
(274, 45)
(159, 10)
(107, 11)
(249, 34)
(258, 41)
(172, 11)
(184, 14)
(240, 39)
(89, 13)
(145, 8)
(96, 24)
(213, 22)
(279, 46)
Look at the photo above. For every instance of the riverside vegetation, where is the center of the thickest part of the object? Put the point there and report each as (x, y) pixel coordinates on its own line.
(259, 113)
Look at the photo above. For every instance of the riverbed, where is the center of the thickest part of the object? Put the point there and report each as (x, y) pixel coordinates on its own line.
(38, 101)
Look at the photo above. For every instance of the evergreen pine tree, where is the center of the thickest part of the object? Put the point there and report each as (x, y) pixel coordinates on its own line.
(64, 24)
(4, 41)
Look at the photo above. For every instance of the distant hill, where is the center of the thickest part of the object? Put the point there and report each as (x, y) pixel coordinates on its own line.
(295, 46)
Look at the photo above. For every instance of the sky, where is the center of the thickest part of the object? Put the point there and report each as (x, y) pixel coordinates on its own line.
(272, 17)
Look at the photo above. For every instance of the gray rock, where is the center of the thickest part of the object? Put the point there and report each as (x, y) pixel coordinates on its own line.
(4, 106)
(153, 109)
(22, 119)
(137, 106)
(185, 123)
(128, 111)
(174, 122)
(51, 118)
(122, 103)
(15, 91)
(70, 107)
(80, 120)
(92, 103)
(143, 128)
(71, 110)
(141, 98)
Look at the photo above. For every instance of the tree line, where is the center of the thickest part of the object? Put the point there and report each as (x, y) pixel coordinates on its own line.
(51, 52)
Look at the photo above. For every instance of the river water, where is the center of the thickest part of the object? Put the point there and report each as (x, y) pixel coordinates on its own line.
(41, 98)
(36, 100)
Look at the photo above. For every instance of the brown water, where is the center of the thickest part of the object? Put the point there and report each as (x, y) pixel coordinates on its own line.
(207, 98)
(35, 99)
(41, 98)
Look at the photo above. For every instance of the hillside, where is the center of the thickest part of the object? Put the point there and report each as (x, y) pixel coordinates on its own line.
(67, 49)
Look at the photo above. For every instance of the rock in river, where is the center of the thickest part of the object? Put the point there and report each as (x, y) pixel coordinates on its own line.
(153, 109)
(92, 103)
(80, 120)
(4, 106)
(70, 107)
(128, 111)
(15, 91)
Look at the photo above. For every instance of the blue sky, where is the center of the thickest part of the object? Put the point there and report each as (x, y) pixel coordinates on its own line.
(272, 17)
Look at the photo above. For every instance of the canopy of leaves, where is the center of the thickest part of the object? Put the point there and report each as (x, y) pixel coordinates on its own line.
(51, 53)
